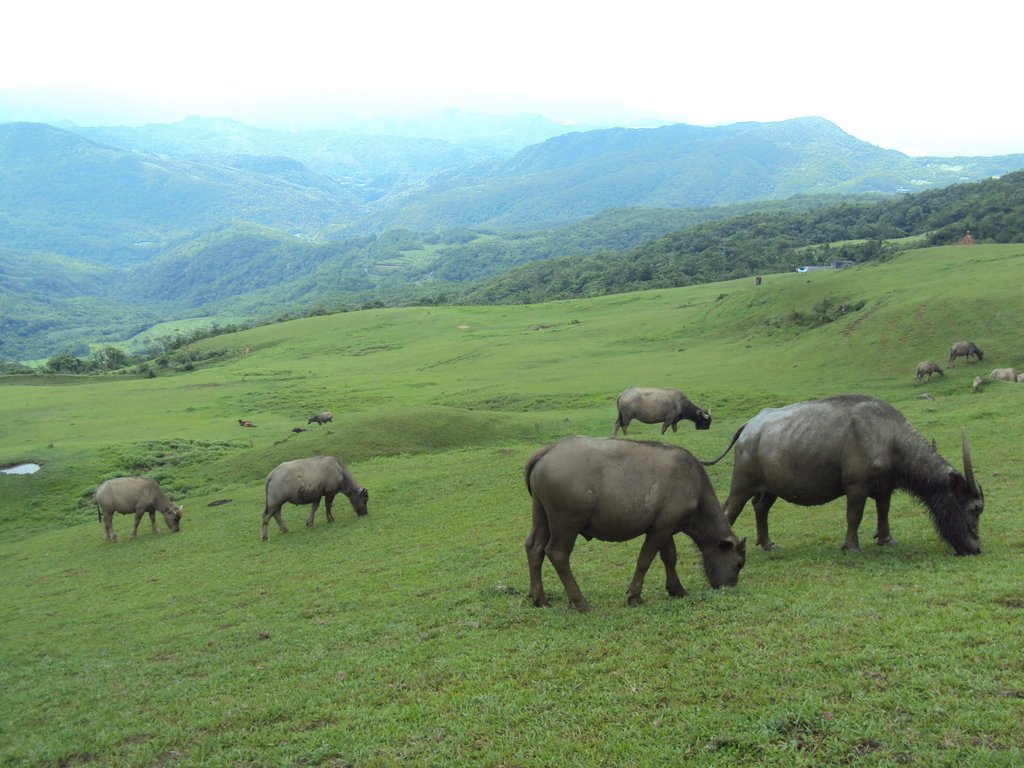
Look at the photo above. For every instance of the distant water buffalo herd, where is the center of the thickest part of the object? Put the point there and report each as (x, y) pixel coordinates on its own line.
(966, 349)
(611, 489)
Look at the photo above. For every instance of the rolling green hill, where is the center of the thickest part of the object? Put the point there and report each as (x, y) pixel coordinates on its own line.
(407, 637)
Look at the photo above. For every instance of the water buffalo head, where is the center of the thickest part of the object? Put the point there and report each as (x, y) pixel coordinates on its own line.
(723, 560)
(172, 516)
(359, 501)
(703, 419)
(971, 500)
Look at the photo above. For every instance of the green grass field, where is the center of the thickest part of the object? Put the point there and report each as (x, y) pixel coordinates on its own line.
(407, 637)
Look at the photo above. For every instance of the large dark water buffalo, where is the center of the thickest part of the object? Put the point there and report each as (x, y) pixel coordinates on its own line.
(306, 481)
(813, 452)
(134, 496)
(615, 490)
(657, 404)
(964, 349)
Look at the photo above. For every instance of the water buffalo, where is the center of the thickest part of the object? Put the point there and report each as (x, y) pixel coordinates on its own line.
(1020, 378)
(964, 349)
(306, 481)
(134, 496)
(812, 452)
(653, 404)
(320, 418)
(927, 368)
(1004, 374)
(615, 490)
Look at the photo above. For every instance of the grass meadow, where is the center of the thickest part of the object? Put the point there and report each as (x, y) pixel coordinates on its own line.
(407, 637)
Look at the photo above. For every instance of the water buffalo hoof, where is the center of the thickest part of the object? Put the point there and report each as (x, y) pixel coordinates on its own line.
(634, 600)
(582, 606)
(541, 602)
(851, 548)
(768, 546)
(678, 592)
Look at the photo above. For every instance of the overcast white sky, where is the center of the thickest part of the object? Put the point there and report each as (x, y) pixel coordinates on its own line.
(925, 78)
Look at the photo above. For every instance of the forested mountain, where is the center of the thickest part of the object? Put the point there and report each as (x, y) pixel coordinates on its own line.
(65, 194)
(99, 197)
(105, 232)
(678, 166)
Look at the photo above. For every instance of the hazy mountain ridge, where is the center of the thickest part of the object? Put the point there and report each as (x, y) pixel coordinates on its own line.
(209, 215)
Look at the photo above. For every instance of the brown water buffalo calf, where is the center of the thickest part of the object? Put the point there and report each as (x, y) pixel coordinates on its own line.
(134, 496)
(927, 368)
(306, 481)
(320, 418)
(616, 490)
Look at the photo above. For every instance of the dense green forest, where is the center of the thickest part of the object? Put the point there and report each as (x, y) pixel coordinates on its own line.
(773, 242)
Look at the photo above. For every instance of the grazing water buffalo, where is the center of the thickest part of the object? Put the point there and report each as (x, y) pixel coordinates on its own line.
(927, 368)
(812, 452)
(1004, 374)
(320, 418)
(615, 490)
(653, 404)
(306, 481)
(964, 349)
(134, 496)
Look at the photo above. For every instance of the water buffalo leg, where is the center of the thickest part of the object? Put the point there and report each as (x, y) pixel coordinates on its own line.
(536, 541)
(653, 543)
(276, 514)
(854, 514)
(882, 534)
(139, 514)
(762, 504)
(312, 511)
(108, 526)
(668, 557)
(152, 520)
(328, 502)
(559, 547)
(733, 506)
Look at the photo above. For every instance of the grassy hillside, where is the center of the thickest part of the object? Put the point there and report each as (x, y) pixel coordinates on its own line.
(406, 637)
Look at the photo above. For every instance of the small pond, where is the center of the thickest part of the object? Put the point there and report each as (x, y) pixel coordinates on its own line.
(21, 469)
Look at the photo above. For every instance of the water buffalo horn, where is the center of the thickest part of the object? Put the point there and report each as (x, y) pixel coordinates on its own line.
(968, 469)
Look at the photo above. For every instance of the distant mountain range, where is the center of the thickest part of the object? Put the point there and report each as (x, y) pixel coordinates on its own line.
(165, 221)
